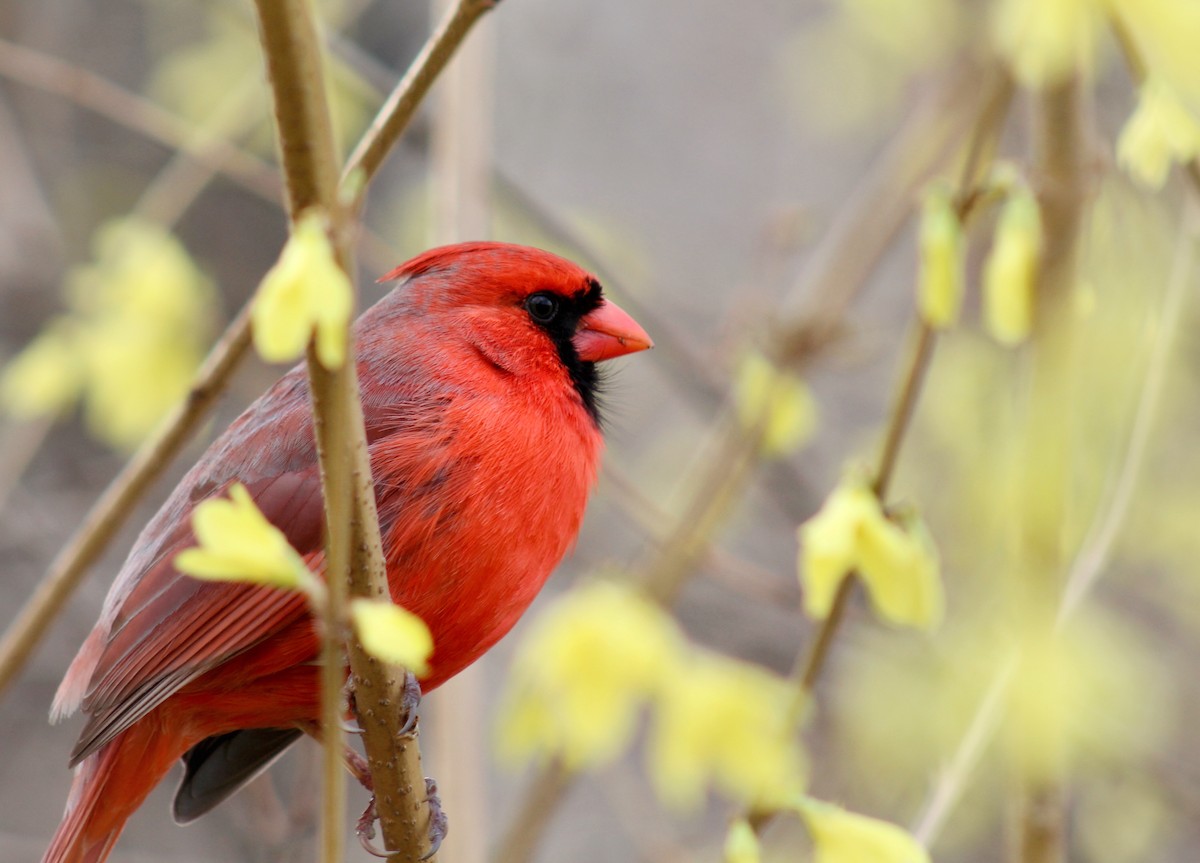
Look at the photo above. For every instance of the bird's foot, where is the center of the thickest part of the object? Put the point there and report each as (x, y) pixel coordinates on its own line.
(439, 825)
(359, 769)
(410, 701)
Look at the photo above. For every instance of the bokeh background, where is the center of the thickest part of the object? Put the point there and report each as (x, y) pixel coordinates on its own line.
(730, 171)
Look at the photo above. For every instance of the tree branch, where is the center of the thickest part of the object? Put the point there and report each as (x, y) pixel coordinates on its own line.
(398, 110)
(118, 501)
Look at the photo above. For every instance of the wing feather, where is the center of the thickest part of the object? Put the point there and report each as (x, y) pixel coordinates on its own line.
(171, 628)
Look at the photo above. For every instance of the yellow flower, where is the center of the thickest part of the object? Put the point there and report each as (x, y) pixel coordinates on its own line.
(138, 312)
(235, 542)
(1047, 41)
(1165, 34)
(741, 843)
(583, 672)
(897, 562)
(844, 837)
(779, 399)
(1090, 691)
(392, 634)
(46, 376)
(306, 292)
(1161, 131)
(725, 723)
(1010, 272)
(940, 280)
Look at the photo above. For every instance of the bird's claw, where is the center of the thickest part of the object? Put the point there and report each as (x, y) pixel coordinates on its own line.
(365, 830)
(410, 700)
(439, 825)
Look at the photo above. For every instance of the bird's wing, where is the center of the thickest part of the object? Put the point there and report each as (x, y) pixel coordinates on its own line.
(171, 628)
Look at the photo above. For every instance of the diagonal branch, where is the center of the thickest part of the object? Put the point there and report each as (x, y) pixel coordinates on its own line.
(393, 118)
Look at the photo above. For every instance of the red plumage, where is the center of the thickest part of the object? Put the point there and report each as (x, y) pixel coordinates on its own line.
(484, 442)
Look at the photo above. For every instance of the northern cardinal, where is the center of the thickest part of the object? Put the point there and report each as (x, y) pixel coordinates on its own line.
(479, 391)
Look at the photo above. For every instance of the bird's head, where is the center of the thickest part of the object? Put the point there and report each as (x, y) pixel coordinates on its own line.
(523, 308)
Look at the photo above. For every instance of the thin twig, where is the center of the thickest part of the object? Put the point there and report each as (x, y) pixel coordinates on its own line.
(43, 72)
(949, 788)
(21, 443)
(987, 130)
(389, 124)
(879, 206)
(542, 798)
(119, 499)
(1060, 157)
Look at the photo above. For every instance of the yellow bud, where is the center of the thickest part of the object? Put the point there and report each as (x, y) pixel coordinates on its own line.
(45, 377)
(940, 280)
(305, 295)
(844, 837)
(1162, 131)
(724, 723)
(898, 562)
(1165, 34)
(1010, 272)
(741, 843)
(235, 542)
(392, 634)
(587, 666)
(779, 400)
(1047, 41)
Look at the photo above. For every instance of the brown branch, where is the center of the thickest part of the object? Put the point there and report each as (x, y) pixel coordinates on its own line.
(118, 500)
(49, 74)
(389, 124)
(1060, 159)
(307, 151)
(354, 556)
(354, 549)
(982, 141)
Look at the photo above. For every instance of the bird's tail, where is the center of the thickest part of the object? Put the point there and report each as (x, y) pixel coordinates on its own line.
(108, 787)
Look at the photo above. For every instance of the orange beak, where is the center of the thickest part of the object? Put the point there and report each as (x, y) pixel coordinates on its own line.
(608, 331)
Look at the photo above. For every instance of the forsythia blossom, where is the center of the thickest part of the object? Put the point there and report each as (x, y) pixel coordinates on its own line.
(235, 542)
(1165, 34)
(741, 843)
(306, 293)
(137, 313)
(1010, 273)
(727, 723)
(1046, 41)
(898, 563)
(1088, 687)
(778, 399)
(392, 634)
(942, 250)
(586, 668)
(1161, 131)
(844, 837)
(47, 376)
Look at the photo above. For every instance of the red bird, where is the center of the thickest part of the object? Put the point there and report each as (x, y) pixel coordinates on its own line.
(479, 390)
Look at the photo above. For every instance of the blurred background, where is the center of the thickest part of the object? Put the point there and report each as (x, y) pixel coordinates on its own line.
(746, 179)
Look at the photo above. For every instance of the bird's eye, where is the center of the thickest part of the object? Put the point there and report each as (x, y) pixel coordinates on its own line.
(542, 307)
